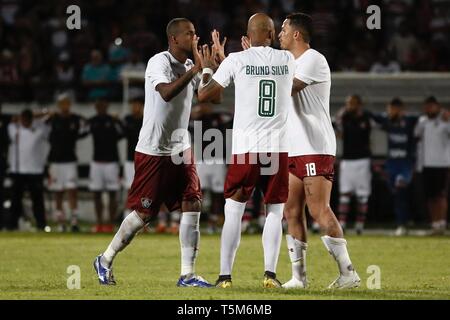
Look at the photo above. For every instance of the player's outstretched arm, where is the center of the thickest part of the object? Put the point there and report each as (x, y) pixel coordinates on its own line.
(170, 90)
(209, 90)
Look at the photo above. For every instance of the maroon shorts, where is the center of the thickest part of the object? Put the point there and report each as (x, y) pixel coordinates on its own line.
(158, 180)
(268, 171)
(312, 165)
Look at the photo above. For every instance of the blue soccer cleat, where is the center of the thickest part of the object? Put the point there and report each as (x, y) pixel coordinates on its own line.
(192, 280)
(105, 275)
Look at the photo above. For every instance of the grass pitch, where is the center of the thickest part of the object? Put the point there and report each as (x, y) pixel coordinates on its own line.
(34, 266)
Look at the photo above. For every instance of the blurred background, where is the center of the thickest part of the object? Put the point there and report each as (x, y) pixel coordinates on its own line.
(44, 65)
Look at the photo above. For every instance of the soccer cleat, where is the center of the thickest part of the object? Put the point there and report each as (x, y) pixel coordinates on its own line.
(105, 275)
(346, 282)
(294, 283)
(193, 280)
(270, 280)
(224, 282)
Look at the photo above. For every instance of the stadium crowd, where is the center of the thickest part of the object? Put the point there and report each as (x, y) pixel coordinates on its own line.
(40, 56)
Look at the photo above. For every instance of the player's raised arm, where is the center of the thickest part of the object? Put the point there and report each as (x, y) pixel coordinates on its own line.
(218, 47)
(209, 89)
(170, 90)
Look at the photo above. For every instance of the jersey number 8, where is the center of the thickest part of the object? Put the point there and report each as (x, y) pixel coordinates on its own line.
(267, 91)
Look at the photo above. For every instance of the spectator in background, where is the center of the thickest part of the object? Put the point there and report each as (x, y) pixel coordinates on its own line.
(4, 144)
(132, 126)
(9, 76)
(95, 76)
(385, 65)
(64, 73)
(117, 55)
(401, 152)
(65, 129)
(106, 132)
(353, 127)
(405, 46)
(27, 161)
(134, 64)
(433, 131)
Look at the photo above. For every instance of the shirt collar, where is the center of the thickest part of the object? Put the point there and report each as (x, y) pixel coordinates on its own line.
(175, 61)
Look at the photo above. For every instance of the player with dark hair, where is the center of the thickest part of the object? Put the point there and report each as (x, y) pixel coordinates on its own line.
(160, 175)
(353, 125)
(104, 170)
(312, 151)
(400, 160)
(433, 132)
(65, 129)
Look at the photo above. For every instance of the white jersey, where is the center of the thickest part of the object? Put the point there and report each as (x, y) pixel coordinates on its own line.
(263, 81)
(310, 128)
(434, 135)
(164, 127)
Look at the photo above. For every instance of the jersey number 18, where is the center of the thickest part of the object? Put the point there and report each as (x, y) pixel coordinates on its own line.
(310, 169)
(266, 106)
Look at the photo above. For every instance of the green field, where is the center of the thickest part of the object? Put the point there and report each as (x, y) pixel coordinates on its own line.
(34, 266)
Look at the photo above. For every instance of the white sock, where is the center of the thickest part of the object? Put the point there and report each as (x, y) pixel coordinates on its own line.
(130, 225)
(231, 234)
(337, 247)
(271, 237)
(189, 241)
(126, 212)
(297, 254)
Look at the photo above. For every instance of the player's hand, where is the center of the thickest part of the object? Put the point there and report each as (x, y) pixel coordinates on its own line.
(196, 52)
(209, 59)
(218, 47)
(245, 43)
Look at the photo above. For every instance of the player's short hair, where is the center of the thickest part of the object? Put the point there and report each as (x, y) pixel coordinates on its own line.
(172, 26)
(396, 102)
(303, 23)
(357, 97)
(27, 114)
(431, 99)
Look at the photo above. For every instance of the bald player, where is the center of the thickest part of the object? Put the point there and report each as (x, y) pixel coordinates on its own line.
(263, 80)
(160, 177)
(312, 151)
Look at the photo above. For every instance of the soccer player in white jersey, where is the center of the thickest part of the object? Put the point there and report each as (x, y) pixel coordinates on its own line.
(312, 150)
(263, 80)
(160, 177)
